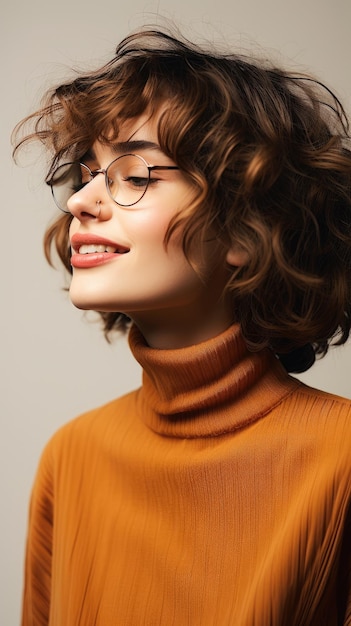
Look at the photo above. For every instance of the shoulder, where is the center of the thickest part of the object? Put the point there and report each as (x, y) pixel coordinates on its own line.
(319, 403)
(321, 413)
(320, 422)
(88, 432)
(307, 409)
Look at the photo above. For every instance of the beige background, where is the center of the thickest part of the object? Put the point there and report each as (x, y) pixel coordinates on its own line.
(54, 364)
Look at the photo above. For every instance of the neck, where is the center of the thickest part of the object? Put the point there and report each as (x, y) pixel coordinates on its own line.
(179, 329)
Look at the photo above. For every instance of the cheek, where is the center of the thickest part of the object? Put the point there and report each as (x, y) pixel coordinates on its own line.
(164, 264)
(150, 224)
(148, 233)
(73, 227)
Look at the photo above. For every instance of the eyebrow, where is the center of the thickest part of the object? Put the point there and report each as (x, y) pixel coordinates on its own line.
(125, 147)
(137, 144)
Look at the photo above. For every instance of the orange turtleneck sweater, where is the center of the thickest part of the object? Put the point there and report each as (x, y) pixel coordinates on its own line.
(217, 494)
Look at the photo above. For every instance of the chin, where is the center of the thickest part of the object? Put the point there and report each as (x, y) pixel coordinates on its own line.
(88, 297)
(92, 305)
(85, 302)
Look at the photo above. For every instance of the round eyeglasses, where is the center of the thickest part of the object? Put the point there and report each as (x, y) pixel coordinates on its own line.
(127, 179)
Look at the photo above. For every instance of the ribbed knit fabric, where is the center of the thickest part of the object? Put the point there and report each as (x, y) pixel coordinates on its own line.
(218, 494)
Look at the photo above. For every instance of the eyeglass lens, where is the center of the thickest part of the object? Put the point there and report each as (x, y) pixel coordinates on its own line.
(127, 179)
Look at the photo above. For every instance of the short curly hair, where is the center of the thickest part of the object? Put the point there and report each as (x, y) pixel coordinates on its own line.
(269, 154)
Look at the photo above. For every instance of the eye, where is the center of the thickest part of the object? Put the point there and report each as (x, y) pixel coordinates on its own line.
(153, 180)
(137, 181)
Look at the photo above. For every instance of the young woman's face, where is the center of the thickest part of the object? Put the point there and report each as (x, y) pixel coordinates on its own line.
(137, 274)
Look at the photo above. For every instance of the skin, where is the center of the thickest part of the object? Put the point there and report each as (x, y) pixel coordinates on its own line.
(153, 284)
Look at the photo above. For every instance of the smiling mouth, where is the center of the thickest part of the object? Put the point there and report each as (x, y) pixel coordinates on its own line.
(98, 249)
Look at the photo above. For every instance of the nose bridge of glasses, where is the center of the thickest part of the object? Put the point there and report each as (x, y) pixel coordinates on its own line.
(94, 173)
(87, 176)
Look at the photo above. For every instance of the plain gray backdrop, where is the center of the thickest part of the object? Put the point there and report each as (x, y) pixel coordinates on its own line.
(55, 363)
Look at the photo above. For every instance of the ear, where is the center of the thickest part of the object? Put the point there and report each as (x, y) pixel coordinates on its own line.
(236, 256)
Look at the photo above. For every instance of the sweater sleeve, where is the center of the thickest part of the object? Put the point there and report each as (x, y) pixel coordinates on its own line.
(37, 583)
(346, 573)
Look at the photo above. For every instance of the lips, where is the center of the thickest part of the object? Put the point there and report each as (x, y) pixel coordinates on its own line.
(88, 242)
(90, 250)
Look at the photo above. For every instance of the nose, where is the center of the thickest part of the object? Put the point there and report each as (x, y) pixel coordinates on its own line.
(92, 201)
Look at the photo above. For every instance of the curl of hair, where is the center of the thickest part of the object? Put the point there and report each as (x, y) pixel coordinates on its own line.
(269, 155)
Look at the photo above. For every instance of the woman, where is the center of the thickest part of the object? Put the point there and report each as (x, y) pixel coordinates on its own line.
(206, 203)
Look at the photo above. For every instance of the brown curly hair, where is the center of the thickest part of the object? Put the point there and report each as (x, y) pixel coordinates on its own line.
(270, 157)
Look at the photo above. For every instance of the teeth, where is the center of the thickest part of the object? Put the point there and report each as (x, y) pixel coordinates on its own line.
(92, 248)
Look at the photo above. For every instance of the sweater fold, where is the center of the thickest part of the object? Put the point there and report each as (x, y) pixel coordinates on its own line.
(208, 389)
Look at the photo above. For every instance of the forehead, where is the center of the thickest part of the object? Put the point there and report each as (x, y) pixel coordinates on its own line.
(144, 127)
(134, 135)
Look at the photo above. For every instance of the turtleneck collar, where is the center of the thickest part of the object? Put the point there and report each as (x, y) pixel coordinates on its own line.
(208, 389)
